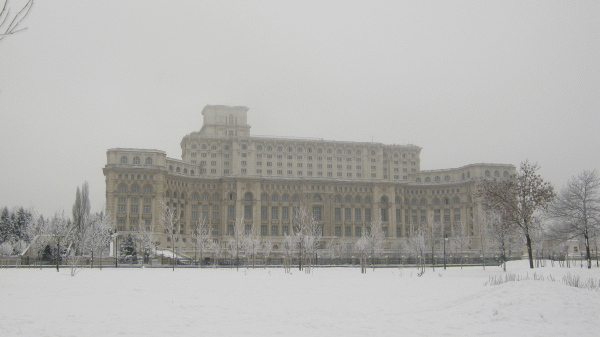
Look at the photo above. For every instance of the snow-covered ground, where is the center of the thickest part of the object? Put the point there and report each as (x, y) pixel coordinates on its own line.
(269, 302)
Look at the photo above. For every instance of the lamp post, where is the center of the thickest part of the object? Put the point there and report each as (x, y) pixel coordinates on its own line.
(116, 251)
(445, 239)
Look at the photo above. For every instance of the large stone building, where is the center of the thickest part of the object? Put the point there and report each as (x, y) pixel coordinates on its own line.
(225, 174)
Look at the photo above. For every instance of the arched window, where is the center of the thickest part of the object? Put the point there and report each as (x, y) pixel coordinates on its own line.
(148, 160)
(185, 171)
(367, 200)
(168, 194)
(505, 174)
(124, 160)
(383, 200)
(395, 154)
(330, 151)
(290, 149)
(122, 188)
(338, 151)
(437, 179)
(456, 200)
(274, 197)
(358, 152)
(357, 199)
(280, 148)
(338, 198)
(319, 150)
(264, 197)
(178, 169)
(373, 152)
(295, 198)
(259, 148)
(285, 197)
(175, 194)
(269, 148)
(171, 168)
(398, 200)
(413, 201)
(194, 196)
(423, 202)
(348, 152)
(135, 188)
(418, 180)
(205, 196)
(316, 197)
(244, 147)
(231, 196)
(182, 195)
(204, 146)
(436, 201)
(447, 178)
(192, 172)
(215, 197)
(427, 179)
(136, 160)
(248, 196)
(147, 189)
(487, 173)
(347, 198)
(300, 149)
(496, 174)
(446, 201)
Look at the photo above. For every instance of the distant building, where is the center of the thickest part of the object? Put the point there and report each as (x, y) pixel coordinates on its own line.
(225, 173)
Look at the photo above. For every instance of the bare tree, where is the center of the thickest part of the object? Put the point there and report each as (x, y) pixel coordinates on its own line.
(37, 234)
(576, 209)
(461, 241)
(61, 229)
(235, 240)
(201, 237)
(99, 233)
(81, 207)
(217, 250)
(431, 229)
(251, 244)
(375, 239)
(9, 23)
(362, 248)
(307, 235)
(267, 248)
(288, 251)
(417, 243)
(147, 239)
(518, 199)
(488, 221)
(170, 220)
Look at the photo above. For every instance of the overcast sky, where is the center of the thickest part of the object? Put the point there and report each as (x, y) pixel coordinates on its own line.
(468, 81)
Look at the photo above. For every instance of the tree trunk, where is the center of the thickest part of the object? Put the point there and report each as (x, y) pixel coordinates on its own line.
(57, 253)
(528, 241)
(587, 251)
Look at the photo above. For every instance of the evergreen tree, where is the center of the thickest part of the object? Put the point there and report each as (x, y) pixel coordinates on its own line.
(128, 247)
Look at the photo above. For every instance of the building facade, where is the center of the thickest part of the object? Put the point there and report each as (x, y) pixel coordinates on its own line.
(226, 174)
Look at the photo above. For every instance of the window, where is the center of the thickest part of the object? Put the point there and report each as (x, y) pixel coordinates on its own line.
(274, 230)
(148, 161)
(274, 213)
(347, 214)
(358, 231)
(348, 231)
(134, 208)
(123, 160)
(285, 230)
(263, 213)
(147, 209)
(447, 178)
(317, 213)
(122, 188)
(437, 179)
(367, 214)
(285, 213)
(122, 208)
(263, 230)
(338, 231)
(248, 212)
(338, 214)
(357, 214)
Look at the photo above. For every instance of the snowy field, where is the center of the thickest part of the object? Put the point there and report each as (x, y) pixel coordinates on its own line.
(269, 302)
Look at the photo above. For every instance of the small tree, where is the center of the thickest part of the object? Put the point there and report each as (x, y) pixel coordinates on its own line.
(267, 248)
(417, 243)
(99, 234)
(375, 239)
(461, 240)
(431, 230)
(518, 199)
(235, 240)
(61, 229)
(37, 234)
(202, 238)
(576, 210)
(288, 251)
(170, 220)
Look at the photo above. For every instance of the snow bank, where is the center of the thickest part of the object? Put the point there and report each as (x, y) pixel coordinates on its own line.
(267, 302)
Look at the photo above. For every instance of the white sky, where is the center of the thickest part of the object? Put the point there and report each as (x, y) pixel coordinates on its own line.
(468, 81)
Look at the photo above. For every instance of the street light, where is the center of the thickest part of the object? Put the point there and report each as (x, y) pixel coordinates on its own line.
(445, 239)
